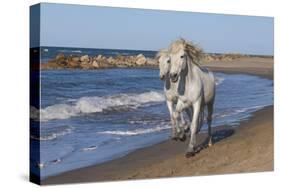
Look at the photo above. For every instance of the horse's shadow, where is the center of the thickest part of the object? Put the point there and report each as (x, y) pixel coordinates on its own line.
(217, 136)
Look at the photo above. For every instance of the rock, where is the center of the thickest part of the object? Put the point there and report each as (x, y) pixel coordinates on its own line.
(85, 58)
(60, 57)
(151, 62)
(73, 64)
(110, 60)
(104, 64)
(75, 59)
(95, 64)
(50, 65)
(85, 65)
(99, 57)
(62, 63)
(120, 57)
(141, 60)
(85, 62)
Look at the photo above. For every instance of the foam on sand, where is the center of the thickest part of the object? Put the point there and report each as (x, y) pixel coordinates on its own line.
(136, 131)
(54, 135)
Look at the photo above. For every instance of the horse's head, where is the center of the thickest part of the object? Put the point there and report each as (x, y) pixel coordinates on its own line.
(178, 59)
(182, 52)
(164, 63)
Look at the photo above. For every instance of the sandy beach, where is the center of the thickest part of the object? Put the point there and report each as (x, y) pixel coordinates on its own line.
(244, 148)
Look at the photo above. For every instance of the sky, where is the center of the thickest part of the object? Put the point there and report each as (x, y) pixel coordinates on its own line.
(139, 29)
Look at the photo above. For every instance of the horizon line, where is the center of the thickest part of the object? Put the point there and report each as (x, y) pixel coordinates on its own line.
(205, 52)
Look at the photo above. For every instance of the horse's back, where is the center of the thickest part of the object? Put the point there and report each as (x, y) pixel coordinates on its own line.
(208, 81)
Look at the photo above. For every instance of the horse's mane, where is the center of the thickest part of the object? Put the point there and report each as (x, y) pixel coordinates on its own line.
(194, 52)
(161, 53)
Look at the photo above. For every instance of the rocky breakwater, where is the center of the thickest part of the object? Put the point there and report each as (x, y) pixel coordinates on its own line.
(101, 62)
(98, 62)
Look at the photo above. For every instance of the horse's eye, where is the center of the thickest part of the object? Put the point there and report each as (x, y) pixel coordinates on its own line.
(169, 61)
(182, 56)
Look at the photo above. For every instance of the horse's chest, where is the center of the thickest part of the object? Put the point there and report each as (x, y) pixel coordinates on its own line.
(190, 95)
(171, 95)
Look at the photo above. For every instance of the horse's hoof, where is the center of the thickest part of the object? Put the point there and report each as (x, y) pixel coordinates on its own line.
(182, 137)
(174, 138)
(187, 129)
(210, 142)
(189, 154)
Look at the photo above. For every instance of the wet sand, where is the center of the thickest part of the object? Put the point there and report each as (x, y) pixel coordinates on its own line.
(245, 148)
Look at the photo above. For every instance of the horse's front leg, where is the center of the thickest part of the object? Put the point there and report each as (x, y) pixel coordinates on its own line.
(183, 123)
(177, 113)
(193, 128)
(171, 111)
(189, 114)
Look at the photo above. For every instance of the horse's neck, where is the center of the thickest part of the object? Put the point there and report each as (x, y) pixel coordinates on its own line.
(189, 71)
(169, 85)
(187, 77)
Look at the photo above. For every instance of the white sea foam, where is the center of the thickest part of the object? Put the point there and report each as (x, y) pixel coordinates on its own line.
(218, 80)
(137, 131)
(34, 113)
(73, 51)
(53, 136)
(91, 148)
(237, 111)
(95, 104)
(249, 108)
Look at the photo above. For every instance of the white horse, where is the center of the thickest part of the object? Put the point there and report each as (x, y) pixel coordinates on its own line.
(196, 87)
(171, 94)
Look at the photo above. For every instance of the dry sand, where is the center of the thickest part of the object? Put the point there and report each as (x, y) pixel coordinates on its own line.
(246, 148)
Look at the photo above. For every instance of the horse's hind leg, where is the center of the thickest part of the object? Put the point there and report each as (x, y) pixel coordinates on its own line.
(209, 122)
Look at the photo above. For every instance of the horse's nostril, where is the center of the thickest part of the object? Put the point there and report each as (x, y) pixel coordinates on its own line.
(173, 75)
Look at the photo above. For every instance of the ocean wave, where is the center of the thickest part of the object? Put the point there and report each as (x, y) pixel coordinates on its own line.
(238, 111)
(96, 104)
(45, 164)
(250, 108)
(73, 51)
(34, 113)
(91, 148)
(136, 131)
(53, 135)
(218, 80)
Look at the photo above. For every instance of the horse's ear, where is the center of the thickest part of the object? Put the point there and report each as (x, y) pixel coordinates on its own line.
(159, 54)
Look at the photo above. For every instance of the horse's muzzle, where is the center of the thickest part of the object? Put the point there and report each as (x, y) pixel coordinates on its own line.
(174, 77)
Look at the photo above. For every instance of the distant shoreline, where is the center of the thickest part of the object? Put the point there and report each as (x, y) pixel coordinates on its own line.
(87, 62)
(252, 142)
